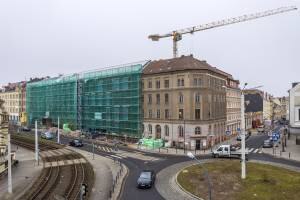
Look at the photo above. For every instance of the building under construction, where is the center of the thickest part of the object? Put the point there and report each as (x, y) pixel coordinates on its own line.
(107, 100)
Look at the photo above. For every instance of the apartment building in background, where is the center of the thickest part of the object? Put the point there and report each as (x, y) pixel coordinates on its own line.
(233, 106)
(14, 97)
(184, 102)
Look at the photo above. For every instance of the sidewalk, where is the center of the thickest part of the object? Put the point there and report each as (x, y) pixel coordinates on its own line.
(174, 151)
(23, 175)
(106, 170)
(292, 151)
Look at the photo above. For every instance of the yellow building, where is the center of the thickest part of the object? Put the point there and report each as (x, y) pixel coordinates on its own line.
(14, 97)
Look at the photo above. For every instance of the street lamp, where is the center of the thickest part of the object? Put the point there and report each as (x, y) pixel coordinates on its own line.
(192, 156)
(243, 148)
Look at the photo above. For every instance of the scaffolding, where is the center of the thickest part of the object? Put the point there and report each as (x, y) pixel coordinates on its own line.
(107, 100)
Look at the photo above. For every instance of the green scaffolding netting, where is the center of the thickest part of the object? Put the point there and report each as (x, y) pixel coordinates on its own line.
(108, 100)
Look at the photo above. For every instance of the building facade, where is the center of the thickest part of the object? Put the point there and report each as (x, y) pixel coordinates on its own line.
(268, 113)
(184, 102)
(233, 106)
(107, 100)
(294, 112)
(254, 106)
(14, 97)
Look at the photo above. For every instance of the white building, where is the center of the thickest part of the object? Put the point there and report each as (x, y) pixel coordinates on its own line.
(294, 108)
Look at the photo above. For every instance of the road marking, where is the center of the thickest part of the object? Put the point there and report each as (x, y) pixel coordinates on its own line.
(116, 156)
(250, 150)
(260, 151)
(255, 151)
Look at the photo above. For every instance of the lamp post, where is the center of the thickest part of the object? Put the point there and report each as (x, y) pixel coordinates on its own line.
(243, 142)
(192, 156)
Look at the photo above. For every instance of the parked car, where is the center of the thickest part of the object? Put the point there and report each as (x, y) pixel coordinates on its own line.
(76, 143)
(26, 128)
(268, 144)
(146, 179)
(47, 136)
(239, 137)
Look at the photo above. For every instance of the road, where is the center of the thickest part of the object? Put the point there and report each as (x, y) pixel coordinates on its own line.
(136, 165)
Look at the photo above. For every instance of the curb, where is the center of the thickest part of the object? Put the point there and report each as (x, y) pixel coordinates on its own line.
(184, 190)
(120, 192)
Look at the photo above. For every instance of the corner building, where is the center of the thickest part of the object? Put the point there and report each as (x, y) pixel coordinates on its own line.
(184, 102)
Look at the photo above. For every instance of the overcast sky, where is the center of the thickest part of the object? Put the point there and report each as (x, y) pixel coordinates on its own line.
(48, 37)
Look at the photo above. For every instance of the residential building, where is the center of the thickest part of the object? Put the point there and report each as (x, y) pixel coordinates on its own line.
(14, 97)
(268, 113)
(233, 106)
(254, 106)
(106, 100)
(294, 112)
(184, 102)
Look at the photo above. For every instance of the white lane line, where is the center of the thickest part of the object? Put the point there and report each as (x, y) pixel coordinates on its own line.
(255, 151)
(250, 150)
(116, 156)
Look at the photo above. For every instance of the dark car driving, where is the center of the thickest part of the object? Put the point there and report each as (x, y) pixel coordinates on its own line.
(76, 143)
(146, 179)
(268, 144)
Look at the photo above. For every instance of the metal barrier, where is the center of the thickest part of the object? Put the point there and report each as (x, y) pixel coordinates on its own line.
(116, 179)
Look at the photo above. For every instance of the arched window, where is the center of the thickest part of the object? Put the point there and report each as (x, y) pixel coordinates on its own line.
(166, 130)
(150, 128)
(157, 131)
(197, 130)
(180, 131)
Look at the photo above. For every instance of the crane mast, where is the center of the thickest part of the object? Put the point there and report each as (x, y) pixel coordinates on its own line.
(177, 34)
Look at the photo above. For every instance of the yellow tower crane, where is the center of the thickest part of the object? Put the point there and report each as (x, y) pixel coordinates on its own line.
(177, 34)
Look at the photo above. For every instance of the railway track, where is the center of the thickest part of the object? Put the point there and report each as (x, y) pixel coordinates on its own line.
(61, 176)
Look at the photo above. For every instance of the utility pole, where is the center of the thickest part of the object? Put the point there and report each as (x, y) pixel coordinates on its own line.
(58, 136)
(36, 143)
(9, 161)
(243, 163)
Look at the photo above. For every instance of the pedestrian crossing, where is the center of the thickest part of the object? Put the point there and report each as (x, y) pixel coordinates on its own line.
(104, 148)
(255, 150)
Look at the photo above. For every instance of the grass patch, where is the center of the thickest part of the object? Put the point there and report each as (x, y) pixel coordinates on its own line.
(263, 182)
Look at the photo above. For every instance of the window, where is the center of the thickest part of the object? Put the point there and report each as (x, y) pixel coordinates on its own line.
(166, 130)
(166, 114)
(298, 114)
(180, 98)
(149, 99)
(167, 84)
(182, 82)
(166, 98)
(197, 98)
(178, 82)
(150, 113)
(150, 84)
(180, 114)
(197, 113)
(158, 84)
(158, 98)
(199, 82)
(197, 130)
(158, 114)
(180, 131)
(195, 82)
(150, 128)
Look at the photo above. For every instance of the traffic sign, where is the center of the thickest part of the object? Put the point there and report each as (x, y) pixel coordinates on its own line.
(227, 132)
